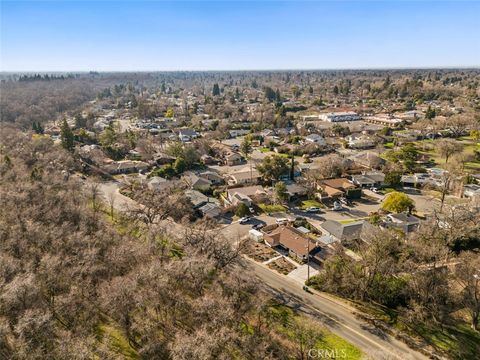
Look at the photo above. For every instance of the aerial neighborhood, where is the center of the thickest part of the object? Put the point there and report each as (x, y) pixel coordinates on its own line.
(316, 176)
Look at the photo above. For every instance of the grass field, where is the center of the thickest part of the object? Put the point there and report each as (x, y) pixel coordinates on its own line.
(327, 343)
(272, 208)
(311, 203)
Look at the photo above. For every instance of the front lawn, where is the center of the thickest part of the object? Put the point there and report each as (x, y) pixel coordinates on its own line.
(311, 203)
(272, 208)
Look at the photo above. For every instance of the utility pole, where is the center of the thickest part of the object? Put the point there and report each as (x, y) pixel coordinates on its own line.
(308, 259)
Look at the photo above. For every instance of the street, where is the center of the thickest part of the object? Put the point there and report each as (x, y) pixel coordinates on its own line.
(334, 314)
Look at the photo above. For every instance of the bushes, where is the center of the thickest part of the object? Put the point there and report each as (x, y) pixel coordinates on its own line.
(242, 210)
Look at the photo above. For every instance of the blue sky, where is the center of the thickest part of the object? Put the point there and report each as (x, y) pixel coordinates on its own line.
(229, 35)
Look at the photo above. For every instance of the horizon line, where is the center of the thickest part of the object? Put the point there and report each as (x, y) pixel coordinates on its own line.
(460, 67)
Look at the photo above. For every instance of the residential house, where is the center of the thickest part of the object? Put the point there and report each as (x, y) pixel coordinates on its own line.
(298, 245)
(187, 134)
(238, 132)
(343, 232)
(334, 188)
(471, 190)
(211, 210)
(247, 175)
(245, 194)
(360, 141)
(196, 182)
(214, 178)
(368, 159)
(161, 158)
(406, 223)
(124, 167)
(295, 190)
(233, 159)
(158, 183)
(315, 139)
(369, 179)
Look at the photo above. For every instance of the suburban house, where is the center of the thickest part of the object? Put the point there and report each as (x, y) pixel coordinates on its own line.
(334, 188)
(295, 190)
(124, 167)
(406, 223)
(298, 245)
(212, 176)
(471, 190)
(158, 183)
(245, 194)
(187, 134)
(233, 159)
(196, 182)
(360, 141)
(315, 139)
(244, 176)
(343, 232)
(368, 159)
(211, 210)
(161, 158)
(238, 132)
(208, 206)
(369, 179)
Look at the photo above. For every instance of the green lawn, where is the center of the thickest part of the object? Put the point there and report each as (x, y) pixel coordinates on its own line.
(264, 150)
(458, 341)
(117, 342)
(311, 203)
(272, 208)
(329, 345)
(389, 145)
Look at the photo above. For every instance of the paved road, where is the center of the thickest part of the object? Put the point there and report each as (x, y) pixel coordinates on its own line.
(336, 316)
(339, 318)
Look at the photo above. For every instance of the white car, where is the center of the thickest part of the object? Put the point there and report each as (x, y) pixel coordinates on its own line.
(313, 209)
(244, 220)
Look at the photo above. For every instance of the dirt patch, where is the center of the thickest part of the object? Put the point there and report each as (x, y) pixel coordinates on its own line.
(282, 266)
(259, 251)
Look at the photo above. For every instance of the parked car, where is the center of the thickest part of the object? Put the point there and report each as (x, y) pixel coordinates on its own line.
(244, 220)
(281, 221)
(258, 226)
(313, 210)
(337, 206)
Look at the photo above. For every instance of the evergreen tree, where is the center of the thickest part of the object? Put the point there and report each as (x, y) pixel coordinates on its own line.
(67, 136)
(216, 90)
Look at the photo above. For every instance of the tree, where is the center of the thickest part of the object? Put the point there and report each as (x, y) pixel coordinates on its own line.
(393, 178)
(270, 94)
(430, 113)
(66, 136)
(179, 165)
(169, 113)
(216, 90)
(272, 167)
(281, 194)
(242, 210)
(467, 274)
(80, 121)
(246, 147)
(398, 202)
(447, 147)
(335, 90)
